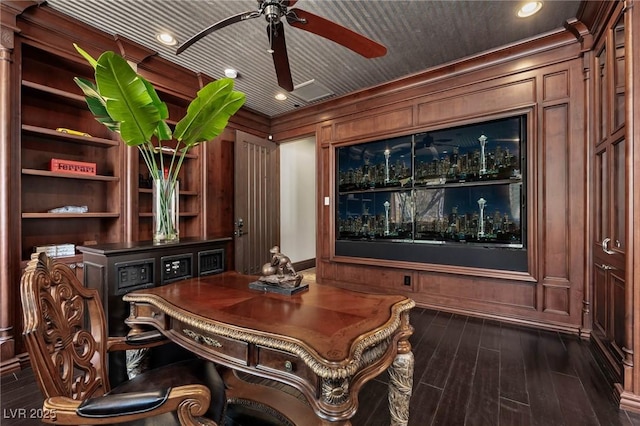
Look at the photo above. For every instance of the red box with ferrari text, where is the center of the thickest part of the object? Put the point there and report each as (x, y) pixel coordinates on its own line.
(74, 167)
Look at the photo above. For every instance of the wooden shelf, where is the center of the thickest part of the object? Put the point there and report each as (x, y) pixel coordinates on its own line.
(69, 215)
(93, 141)
(46, 173)
(52, 91)
(182, 214)
(76, 258)
(169, 153)
(185, 193)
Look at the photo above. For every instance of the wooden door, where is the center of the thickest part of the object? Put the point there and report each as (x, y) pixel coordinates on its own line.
(610, 201)
(257, 202)
(609, 252)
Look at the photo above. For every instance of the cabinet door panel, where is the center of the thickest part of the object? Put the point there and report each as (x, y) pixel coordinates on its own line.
(619, 196)
(602, 107)
(600, 304)
(619, 74)
(618, 314)
(602, 197)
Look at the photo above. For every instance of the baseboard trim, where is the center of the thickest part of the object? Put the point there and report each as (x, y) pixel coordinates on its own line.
(304, 264)
(628, 401)
(9, 366)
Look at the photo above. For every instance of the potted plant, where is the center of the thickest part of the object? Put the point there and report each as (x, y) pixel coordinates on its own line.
(128, 104)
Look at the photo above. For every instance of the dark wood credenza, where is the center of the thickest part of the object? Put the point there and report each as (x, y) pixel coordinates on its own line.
(115, 269)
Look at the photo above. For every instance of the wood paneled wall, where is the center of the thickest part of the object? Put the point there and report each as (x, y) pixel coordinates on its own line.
(543, 79)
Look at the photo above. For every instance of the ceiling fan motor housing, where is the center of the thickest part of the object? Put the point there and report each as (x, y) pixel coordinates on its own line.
(273, 11)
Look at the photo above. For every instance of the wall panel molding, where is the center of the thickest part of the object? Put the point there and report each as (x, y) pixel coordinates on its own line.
(374, 124)
(551, 293)
(555, 191)
(478, 102)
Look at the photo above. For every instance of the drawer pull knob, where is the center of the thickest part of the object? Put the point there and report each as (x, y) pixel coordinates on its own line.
(199, 338)
(288, 365)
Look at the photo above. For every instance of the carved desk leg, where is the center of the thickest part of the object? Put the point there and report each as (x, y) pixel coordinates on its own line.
(401, 377)
(136, 360)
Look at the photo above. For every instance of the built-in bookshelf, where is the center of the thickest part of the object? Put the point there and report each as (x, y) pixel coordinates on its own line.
(56, 124)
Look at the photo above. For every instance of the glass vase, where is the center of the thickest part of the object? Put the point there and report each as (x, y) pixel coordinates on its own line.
(166, 203)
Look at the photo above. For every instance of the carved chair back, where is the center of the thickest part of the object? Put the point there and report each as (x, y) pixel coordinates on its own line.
(64, 330)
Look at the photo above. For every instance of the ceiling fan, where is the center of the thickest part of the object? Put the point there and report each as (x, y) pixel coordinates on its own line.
(273, 11)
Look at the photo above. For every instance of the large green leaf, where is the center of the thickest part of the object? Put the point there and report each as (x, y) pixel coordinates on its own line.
(162, 107)
(208, 114)
(127, 99)
(85, 55)
(97, 104)
(163, 131)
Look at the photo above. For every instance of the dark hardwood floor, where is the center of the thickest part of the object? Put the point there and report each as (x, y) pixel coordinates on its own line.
(468, 371)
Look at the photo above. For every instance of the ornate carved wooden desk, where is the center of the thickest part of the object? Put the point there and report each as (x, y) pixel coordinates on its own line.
(326, 342)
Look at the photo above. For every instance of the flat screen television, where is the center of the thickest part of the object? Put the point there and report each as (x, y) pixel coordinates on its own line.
(437, 196)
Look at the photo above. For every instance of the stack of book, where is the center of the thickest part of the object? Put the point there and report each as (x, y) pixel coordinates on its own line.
(57, 250)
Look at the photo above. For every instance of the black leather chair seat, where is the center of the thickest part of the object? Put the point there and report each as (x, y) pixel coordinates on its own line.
(194, 371)
(202, 372)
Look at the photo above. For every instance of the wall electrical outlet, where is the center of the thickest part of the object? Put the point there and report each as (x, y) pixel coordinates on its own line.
(407, 280)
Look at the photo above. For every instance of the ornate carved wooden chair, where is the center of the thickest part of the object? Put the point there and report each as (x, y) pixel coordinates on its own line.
(65, 334)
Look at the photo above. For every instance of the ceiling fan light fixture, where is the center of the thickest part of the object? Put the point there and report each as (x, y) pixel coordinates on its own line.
(167, 39)
(529, 8)
(231, 73)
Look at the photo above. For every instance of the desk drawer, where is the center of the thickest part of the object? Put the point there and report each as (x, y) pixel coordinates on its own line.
(213, 344)
(150, 314)
(273, 359)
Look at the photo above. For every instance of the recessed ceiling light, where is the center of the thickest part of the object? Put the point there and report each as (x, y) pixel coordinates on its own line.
(231, 73)
(166, 39)
(529, 8)
(281, 96)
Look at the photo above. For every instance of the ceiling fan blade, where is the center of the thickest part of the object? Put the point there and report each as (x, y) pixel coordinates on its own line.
(334, 32)
(275, 31)
(218, 25)
(289, 3)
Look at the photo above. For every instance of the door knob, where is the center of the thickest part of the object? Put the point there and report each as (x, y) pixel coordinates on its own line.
(239, 225)
(605, 246)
